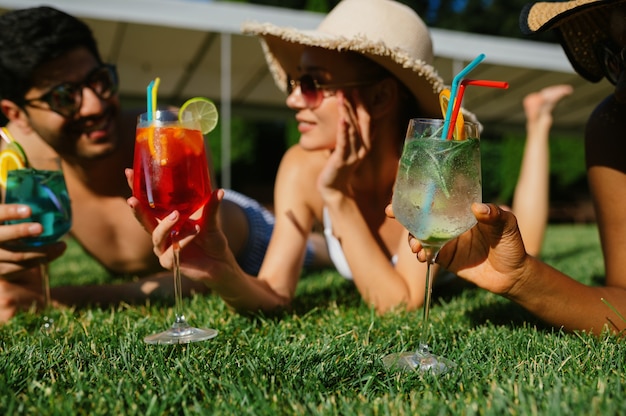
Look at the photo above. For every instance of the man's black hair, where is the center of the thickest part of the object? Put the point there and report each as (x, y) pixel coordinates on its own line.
(32, 37)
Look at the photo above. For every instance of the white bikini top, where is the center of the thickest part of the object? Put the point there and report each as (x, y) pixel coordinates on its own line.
(335, 251)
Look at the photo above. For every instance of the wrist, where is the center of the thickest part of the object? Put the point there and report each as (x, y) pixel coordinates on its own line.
(525, 283)
(334, 197)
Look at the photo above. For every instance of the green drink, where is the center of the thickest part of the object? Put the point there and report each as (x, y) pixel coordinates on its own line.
(437, 182)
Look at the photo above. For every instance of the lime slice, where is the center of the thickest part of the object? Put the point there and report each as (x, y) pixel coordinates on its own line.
(20, 150)
(13, 144)
(9, 160)
(202, 109)
(444, 99)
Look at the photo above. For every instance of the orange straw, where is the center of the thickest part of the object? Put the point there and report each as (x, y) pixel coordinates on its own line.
(459, 99)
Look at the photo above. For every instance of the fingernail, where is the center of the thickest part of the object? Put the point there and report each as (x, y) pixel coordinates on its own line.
(22, 210)
(34, 229)
(484, 209)
(173, 216)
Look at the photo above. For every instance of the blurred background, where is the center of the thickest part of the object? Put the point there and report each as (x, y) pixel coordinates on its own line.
(197, 49)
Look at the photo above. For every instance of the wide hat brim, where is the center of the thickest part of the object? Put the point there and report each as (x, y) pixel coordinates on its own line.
(579, 25)
(355, 25)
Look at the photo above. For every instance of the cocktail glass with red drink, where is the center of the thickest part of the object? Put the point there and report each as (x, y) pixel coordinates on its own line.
(171, 173)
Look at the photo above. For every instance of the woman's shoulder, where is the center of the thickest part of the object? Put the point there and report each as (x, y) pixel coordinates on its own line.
(297, 175)
(297, 159)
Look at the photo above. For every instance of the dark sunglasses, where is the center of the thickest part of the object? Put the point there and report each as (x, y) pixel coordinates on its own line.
(612, 63)
(313, 92)
(66, 98)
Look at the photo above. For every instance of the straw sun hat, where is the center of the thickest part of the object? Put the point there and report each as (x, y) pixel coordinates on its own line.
(385, 31)
(579, 25)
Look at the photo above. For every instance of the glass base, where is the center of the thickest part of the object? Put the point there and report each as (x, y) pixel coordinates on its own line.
(181, 333)
(420, 361)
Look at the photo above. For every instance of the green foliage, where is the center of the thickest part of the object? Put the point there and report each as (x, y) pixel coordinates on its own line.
(321, 6)
(292, 134)
(499, 18)
(497, 184)
(321, 358)
(288, 4)
(243, 142)
(501, 162)
(567, 161)
(496, 17)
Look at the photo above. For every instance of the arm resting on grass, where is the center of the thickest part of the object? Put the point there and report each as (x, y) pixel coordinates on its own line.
(160, 285)
(492, 256)
(207, 259)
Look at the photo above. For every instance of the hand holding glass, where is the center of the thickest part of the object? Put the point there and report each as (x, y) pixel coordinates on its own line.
(42, 187)
(171, 173)
(437, 182)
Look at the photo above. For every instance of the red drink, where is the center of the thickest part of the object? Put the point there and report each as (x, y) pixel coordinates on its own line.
(171, 173)
(171, 170)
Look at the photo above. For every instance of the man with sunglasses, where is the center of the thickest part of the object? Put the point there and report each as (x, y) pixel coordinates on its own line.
(60, 98)
(492, 254)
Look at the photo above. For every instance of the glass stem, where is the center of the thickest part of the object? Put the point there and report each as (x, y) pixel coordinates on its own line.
(48, 321)
(178, 289)
(431, 254)
(45, 281)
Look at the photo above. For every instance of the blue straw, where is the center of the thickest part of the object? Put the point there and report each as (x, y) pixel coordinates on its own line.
(453, 92)
(143, 155)
(149, 99)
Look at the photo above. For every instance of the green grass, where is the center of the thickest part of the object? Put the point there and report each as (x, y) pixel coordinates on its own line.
(324, 357)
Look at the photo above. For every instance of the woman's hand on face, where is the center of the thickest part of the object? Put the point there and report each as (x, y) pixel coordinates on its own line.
(205, 254)
(352, 144)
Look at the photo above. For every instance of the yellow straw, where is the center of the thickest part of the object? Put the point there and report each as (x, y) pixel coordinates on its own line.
(152, 109)
(155, 90)
(6, 135)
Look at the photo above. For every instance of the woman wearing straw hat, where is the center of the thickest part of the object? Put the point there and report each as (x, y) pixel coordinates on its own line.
(353, 83)
(492, 255)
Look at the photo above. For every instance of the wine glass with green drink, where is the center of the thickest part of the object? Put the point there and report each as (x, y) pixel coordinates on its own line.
(40, 184)
(436, 184)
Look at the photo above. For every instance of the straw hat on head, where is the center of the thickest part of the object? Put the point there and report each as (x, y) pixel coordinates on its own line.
(579, 24)
(385, 31)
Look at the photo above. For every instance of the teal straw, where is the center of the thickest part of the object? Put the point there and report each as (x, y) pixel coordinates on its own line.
(149, 99)
(144, 156)
(453, 92)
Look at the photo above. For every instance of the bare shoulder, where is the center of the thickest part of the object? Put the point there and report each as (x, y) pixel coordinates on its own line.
(296, 180)
(307, 164)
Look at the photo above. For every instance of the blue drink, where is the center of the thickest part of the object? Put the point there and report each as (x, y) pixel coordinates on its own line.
(46, 194)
